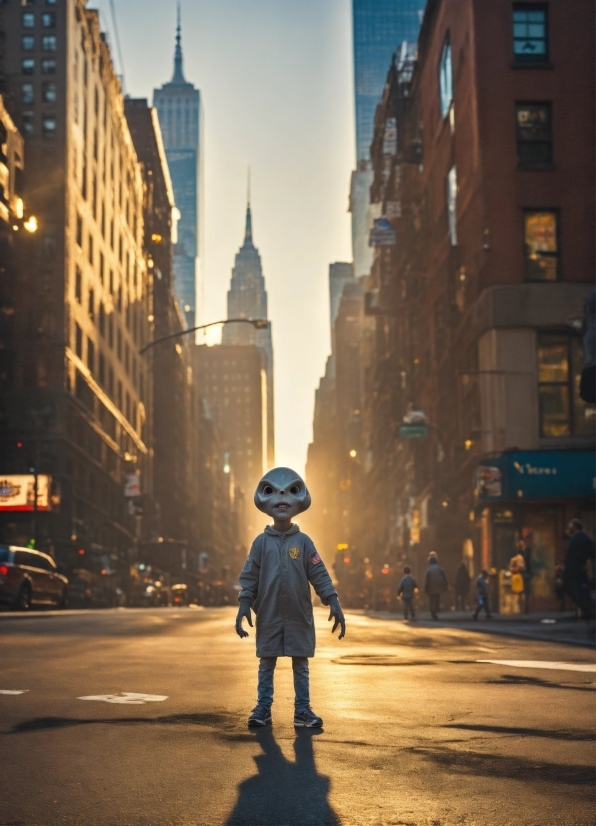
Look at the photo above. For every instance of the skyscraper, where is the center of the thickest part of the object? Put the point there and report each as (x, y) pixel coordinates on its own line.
(180, 112)
(247, 298)
(379, 27)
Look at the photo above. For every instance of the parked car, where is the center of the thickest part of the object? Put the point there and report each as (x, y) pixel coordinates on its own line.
(30, 578)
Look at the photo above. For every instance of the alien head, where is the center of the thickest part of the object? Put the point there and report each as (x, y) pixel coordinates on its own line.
(282, 494)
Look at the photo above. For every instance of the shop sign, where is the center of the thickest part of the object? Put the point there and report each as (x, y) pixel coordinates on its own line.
(537, 474)
(382, 234)
(132, 485)
(17, 493)
(390, 137)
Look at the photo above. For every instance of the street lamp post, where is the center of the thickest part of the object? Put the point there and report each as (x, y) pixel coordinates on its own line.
(257, 323)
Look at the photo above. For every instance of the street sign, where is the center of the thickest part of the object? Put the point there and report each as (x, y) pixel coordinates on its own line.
(413, 431)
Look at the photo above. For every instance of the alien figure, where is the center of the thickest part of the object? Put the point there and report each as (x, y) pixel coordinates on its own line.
(275, 581)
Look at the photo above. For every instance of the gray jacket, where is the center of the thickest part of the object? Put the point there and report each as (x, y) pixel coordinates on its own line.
(407, 586)
(435, 580)
(275, 580)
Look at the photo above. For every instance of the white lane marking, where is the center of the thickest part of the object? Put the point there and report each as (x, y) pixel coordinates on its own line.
(558, 666)
(12, 691)
(129, 698)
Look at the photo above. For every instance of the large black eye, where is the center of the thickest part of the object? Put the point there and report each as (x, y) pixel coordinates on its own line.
(295, 490)
(267, 490)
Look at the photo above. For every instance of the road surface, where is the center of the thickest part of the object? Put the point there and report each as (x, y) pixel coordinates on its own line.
(418, 730)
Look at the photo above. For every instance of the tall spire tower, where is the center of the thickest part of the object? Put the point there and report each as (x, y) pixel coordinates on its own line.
(180, 113)
(247, 298)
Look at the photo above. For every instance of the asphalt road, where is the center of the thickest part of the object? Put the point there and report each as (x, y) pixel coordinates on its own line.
(417, 731)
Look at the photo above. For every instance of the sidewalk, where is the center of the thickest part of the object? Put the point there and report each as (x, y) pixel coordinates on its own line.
(552, 626)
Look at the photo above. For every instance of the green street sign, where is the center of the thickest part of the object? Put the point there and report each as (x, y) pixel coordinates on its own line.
(413, 431)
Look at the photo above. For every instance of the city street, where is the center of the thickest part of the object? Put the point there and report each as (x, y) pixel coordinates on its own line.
(126, 717)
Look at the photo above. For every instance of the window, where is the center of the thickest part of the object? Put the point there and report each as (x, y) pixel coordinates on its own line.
(78, 285)
(541, 246)
(28, 66)
(28, 43)
(78, 341)
(48, 20)
(49, 127)
(80, 231)
(50, 2)
(28, 20)
(90, 355)
(48, 66)
(48, 92)
(102, 319)
(102, 369)
(91, 304)
(533, 122)
(48, 42)
(452, 206)
(28, 124)
(446, 79)
(530, 33)
(101, 267)
(27, 93)
(562, 411)
(90, 249)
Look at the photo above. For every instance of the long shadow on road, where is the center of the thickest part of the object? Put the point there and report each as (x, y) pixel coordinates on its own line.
(282, 791)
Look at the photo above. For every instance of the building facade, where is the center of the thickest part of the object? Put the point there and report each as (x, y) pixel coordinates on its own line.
(247, 298)
(78, 404)
(479, 300)
(233, 384)
(180, 111)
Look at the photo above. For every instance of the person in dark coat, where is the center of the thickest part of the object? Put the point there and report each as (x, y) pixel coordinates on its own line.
(525, 549)
(407, 589)
(482, 596)
(275, 583)
(576, 576)
(462, 586)
(435, 583)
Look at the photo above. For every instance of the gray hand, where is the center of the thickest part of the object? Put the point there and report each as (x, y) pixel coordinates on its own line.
(243, 611)
(337, 614)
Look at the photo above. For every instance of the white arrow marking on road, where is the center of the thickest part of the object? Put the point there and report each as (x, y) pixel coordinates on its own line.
(12, 691)
(127, 698)
(539, 664)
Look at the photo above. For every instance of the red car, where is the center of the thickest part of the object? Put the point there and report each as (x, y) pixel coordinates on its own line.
(29, 578)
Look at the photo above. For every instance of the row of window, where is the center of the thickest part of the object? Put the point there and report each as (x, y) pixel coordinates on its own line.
(105, 375)
(48, 20)
(48, 43)
(48, 66)
(49, 93)
(48, 125)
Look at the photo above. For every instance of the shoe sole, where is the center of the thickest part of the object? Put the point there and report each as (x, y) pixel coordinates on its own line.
(307, 725)
(258, 722)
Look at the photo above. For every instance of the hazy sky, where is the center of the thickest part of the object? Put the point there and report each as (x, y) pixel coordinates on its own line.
(276, 79)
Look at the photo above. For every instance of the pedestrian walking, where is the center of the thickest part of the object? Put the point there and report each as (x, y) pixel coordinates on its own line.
(275, 583)
(578, 570)
(407, 589)
(525, 548)
(435, 584)
(462, 586)
(482, 596)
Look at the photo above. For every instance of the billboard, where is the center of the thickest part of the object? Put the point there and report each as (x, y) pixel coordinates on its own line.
(537, 474)
(17, 493)
(382, 234)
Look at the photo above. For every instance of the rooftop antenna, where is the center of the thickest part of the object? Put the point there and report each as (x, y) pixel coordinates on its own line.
(248, 188)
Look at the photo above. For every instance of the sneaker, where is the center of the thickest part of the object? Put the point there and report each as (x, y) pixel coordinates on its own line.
(260, 716)
(307, 717)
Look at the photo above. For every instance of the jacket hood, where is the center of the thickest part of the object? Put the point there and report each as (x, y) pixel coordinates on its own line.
(273, 532)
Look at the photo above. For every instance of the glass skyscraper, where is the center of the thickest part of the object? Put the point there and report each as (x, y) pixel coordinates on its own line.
(380, 26)
(180, 113)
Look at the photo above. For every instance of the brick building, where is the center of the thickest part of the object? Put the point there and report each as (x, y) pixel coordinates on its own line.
(484, 254)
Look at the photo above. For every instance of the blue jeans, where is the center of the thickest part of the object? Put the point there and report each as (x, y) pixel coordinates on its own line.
(301, 683)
